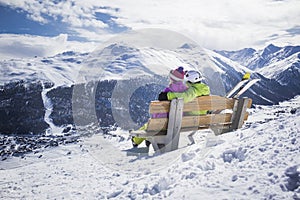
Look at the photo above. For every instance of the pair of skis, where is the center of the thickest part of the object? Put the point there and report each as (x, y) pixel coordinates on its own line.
(242, 86)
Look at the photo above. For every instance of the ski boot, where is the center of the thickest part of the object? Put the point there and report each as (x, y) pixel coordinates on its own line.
(133, 143)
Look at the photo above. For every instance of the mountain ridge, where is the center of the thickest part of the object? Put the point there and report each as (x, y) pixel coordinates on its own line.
(124, 74)
(256, 59)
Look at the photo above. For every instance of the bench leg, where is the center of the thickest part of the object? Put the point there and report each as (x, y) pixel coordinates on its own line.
(239, 113)
(174, 125)
(158, 143)
(154, 145)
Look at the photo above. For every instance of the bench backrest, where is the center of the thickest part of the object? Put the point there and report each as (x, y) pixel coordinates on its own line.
(225, 113)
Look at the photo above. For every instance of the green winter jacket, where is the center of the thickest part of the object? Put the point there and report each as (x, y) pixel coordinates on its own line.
(194, 90)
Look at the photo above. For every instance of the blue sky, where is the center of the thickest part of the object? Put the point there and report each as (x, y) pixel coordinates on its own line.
(214, 24)
(15, 20)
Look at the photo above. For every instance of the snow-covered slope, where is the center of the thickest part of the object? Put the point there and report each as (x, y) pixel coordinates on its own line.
(243, 56)
(259, 161)
(122, 61)
(61, 69)
(115, 61)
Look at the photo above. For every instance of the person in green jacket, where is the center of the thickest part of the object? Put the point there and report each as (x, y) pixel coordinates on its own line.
(195, 89)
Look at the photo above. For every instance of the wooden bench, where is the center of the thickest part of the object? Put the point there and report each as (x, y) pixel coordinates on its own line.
(224, 115)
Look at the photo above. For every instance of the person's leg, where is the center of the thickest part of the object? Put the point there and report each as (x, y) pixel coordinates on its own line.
(137, 140)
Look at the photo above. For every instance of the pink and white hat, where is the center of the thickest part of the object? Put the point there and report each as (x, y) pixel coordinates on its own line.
(177, 74)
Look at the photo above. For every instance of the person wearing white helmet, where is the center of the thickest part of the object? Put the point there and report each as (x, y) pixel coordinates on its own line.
(195, 89)
(193, 76)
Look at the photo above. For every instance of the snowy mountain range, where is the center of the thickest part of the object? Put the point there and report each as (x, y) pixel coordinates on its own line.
(47, 84)
(279, 63)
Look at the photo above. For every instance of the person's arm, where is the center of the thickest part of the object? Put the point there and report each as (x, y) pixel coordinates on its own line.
(204, 90)
(187, 95)
(191, 93)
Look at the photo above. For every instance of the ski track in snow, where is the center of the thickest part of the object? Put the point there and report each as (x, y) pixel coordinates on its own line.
(246, 164)
(53, 129)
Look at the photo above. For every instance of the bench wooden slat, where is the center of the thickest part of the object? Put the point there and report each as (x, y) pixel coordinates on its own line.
(190, 121)
(209, 103)
(200, 103)
(159, 124)
(196, 121)
(159, 107)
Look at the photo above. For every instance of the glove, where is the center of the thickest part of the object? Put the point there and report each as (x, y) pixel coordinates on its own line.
(163, 96)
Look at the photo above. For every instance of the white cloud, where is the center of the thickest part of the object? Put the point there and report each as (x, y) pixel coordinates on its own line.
(27, 46)
(73, 13)
(214, 24)
(93, 36)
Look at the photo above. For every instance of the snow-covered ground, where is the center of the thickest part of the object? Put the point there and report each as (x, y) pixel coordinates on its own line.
(250, 163)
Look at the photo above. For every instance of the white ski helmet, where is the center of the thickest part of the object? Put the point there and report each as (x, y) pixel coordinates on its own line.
(193, 76)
